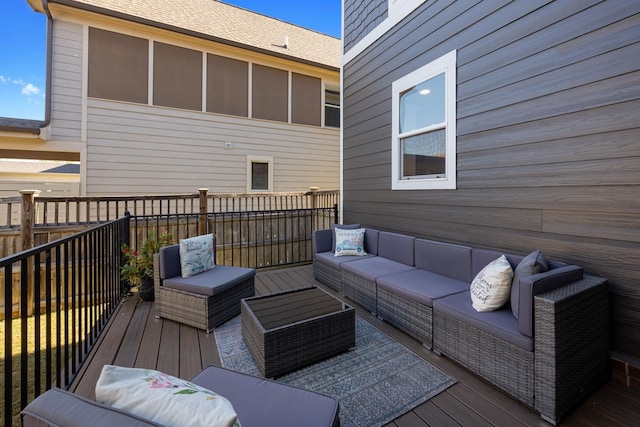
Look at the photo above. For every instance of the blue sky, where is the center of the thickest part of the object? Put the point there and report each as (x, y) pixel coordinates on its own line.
(23, 46)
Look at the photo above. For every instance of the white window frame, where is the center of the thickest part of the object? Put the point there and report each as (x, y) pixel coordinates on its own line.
(445, 64)
(259, 159)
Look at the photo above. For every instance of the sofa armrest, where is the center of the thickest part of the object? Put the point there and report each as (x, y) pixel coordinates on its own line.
(322, 241)
(57, 407)
(535, 285)
(571, 345)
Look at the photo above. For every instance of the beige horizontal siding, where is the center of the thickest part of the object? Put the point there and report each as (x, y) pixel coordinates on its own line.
(138, 149)
(66, 89)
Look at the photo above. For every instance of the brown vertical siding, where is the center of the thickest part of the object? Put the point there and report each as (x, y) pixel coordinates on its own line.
(177, 77)
(548, 142)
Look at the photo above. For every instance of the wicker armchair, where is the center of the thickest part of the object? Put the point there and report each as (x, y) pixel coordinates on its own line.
(218, 301)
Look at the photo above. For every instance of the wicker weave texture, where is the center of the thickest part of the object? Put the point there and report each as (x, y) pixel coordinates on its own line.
(411, 317)
(509, 367)
(571, 345)
(290, 347)
(200, 311)
(359, 290)
(328, 275)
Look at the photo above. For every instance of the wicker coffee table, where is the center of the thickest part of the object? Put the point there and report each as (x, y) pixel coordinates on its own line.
(289, 330)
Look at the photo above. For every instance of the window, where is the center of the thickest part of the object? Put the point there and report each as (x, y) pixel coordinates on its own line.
(259, 173)
(332, 106)
(424, 127)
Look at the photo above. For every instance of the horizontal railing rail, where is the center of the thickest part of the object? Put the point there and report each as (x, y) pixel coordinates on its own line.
(256, 239)
(70, 211)
(64, 292)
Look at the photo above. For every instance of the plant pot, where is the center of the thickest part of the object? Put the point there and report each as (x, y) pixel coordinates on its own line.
(145, 290)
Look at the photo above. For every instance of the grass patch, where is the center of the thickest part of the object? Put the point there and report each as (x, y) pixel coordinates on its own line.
(16, 351)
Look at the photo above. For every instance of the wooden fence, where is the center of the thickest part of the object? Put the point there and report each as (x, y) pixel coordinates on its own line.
(47, 219)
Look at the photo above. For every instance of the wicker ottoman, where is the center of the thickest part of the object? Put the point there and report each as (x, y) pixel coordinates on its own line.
(289, 330)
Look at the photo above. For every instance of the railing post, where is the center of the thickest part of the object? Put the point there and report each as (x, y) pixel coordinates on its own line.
(202, 218)
(125, 238)
(335, 214)
(27, 224)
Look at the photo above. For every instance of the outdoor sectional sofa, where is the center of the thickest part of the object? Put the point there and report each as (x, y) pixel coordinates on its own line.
(550, 357)
(256, 401)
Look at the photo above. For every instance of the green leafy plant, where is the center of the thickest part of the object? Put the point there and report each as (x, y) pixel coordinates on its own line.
(138, 266)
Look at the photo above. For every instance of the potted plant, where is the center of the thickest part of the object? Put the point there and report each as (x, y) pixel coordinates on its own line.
(137, 270)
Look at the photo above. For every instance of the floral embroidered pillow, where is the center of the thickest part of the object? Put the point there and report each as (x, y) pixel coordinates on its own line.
(196, 255)
(163, 399)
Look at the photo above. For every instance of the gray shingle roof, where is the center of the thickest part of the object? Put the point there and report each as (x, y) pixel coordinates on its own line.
(220, 21)
(8, 124)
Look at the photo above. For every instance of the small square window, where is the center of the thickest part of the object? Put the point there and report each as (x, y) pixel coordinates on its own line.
(259, 176)
(259, 173)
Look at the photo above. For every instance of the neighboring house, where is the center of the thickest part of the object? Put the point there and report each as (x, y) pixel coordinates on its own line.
(165, 97)
(529, 137)
(52, 178)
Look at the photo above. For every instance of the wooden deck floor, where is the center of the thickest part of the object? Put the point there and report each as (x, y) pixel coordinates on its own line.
(136, 338)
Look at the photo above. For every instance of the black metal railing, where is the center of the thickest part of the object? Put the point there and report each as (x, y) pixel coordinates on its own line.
(65, 293)
(257, 239)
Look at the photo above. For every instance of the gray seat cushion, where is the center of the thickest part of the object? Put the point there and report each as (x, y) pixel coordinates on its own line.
(499, 323)
(421, 286)
(374, 267)
(264, 403)
(211, 282)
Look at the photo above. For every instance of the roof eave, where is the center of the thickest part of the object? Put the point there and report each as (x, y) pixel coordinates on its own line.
(184, 31)
(32, 129)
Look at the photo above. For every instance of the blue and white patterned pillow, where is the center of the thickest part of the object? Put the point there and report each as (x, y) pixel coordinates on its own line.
(350, 242)
(196, 255)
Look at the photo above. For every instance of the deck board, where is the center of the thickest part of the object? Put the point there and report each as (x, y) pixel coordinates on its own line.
(135, 337)
(169, 354)
(150, 346)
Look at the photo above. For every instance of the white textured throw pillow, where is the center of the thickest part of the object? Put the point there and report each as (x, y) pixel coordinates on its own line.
(349, 242)
(491, 288)
(196, 255)
(164, 399)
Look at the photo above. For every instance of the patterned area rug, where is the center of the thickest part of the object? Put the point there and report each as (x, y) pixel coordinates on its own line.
(375, 383)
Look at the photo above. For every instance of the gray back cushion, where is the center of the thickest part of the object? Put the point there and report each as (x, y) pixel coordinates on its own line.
(481, 257)
(371, 241)
(169, 261)
(533, 263)
(396, 247)
(443, 258)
